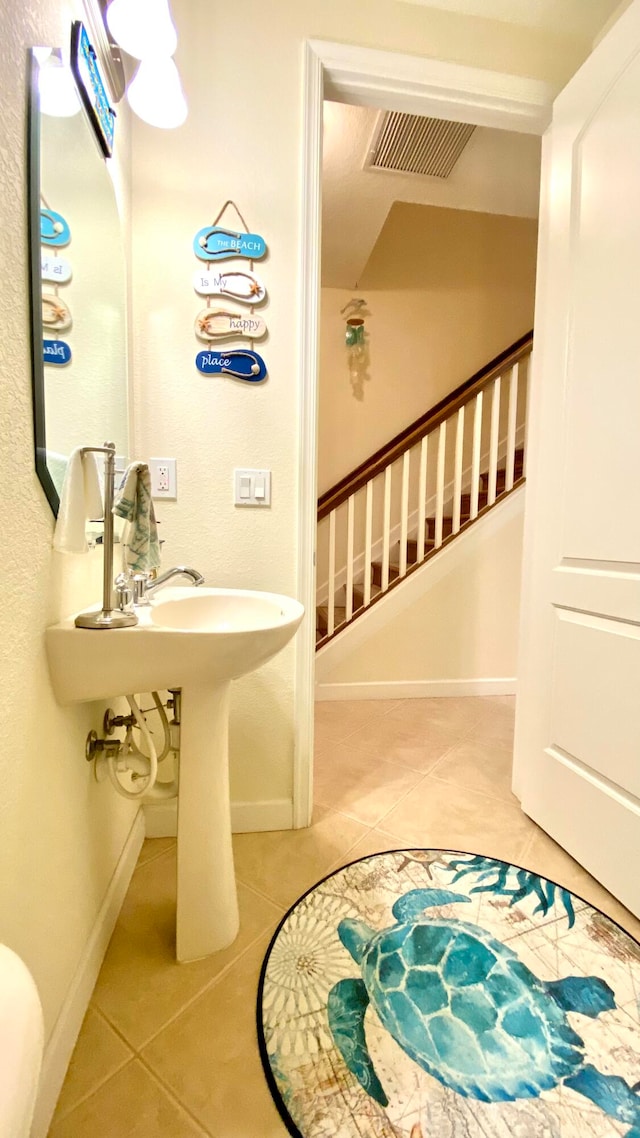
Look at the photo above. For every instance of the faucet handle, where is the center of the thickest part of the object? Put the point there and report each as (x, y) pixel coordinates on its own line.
(139, 582)
(124, 592)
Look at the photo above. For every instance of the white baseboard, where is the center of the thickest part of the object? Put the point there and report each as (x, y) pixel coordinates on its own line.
(161, 818)
(65, 1033)
(415, 689)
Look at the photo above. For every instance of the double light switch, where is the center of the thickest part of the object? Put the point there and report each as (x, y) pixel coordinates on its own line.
(252, 487)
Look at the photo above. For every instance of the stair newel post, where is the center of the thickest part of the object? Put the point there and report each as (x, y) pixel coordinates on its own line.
(422, 498)
(511, 428)
(368, 527)
(331, 602)
(442, 448)
(404, 511)
(494, 441)
(475, 458)
(386, 527)
(350, 528)
(457, 478)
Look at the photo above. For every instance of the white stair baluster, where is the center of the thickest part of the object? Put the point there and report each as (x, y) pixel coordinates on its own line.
(422, 498)
(386, 525)
(368, 525)
(457, 477)
(494, 440)
(475, 459)
(511, 428)
(442, 445)
(331, 617)
(404, 511)
(349, 586)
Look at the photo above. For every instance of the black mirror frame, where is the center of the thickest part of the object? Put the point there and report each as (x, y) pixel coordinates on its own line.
(35, 284)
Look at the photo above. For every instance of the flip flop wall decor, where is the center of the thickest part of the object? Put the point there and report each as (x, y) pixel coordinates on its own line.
(219, 324)
(54, 230)
(248, 366)
(56, 352)
(238, 284)
(55, 269)
(55, 313)
(213, 243)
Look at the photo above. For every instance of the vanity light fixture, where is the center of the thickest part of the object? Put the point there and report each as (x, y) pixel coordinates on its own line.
(145, 30)
(155, 93)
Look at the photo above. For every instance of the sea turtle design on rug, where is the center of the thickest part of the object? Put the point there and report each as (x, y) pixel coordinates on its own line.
(469, 1012)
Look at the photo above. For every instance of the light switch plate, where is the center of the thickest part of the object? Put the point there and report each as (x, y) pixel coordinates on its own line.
(252, 487)
(164, 482)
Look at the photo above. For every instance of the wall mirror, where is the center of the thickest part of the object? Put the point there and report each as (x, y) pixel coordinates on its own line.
(78, 279)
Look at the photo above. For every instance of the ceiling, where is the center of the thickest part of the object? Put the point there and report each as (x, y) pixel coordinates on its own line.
(498, 172)
(579, 18)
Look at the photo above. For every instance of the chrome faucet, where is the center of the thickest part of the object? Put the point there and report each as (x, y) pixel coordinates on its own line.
(144, 586)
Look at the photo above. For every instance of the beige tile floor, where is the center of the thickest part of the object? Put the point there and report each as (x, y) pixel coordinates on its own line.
(168, 1050)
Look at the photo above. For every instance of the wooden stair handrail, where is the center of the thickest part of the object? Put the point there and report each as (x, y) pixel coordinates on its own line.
(416, 431)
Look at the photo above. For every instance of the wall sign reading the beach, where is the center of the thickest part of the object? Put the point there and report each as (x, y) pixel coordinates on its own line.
(217, 322)
(54, 230)
(214, 244)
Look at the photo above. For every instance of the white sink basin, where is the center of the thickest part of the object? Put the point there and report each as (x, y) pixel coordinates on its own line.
(199, 640)
(186, 636)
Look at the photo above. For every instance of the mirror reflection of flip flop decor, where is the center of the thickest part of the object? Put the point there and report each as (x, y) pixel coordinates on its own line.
(220, 324)
(213, 243)
(55, 269)
(237, 284)
(56, 352)
(55, 313)
(248, 366)
(54, 230)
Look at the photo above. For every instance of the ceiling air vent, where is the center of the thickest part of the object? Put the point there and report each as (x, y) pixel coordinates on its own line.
(413, 144)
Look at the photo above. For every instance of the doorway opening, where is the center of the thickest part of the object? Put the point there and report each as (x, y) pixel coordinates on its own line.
(362, 78)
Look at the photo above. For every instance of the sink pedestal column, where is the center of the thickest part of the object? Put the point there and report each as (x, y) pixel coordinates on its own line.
(207, 917)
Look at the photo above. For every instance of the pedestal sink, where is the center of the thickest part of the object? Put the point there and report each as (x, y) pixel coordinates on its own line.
(197, 639)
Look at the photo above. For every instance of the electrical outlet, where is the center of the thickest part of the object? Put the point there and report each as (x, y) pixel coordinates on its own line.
(163, 477)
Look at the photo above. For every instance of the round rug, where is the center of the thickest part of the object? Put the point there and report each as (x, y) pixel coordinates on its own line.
(434, 994)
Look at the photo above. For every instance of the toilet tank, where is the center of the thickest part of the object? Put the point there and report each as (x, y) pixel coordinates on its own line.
(21, 1043)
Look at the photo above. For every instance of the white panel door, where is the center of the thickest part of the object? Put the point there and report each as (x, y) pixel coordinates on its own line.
(577, 749)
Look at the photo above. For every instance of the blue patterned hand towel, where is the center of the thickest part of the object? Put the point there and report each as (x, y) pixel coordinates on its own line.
(133, 502)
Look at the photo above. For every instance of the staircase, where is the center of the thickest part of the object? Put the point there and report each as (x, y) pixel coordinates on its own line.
(442, 474)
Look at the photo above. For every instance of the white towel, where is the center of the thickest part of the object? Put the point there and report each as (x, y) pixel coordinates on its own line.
(80, 500)
(133, 502)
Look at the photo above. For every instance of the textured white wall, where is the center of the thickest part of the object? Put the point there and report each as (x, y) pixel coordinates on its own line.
(60, 832)
(437, 314)
(242, 71)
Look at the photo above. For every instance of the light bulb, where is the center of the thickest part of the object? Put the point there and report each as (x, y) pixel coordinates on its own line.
(155, 93)
(144, 28)
(57, 90)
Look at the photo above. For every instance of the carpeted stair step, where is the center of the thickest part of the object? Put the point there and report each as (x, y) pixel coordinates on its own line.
(518, 470)
(322, 618)
(358, 594)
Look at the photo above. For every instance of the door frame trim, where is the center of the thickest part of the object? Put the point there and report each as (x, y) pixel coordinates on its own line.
(391, 81)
